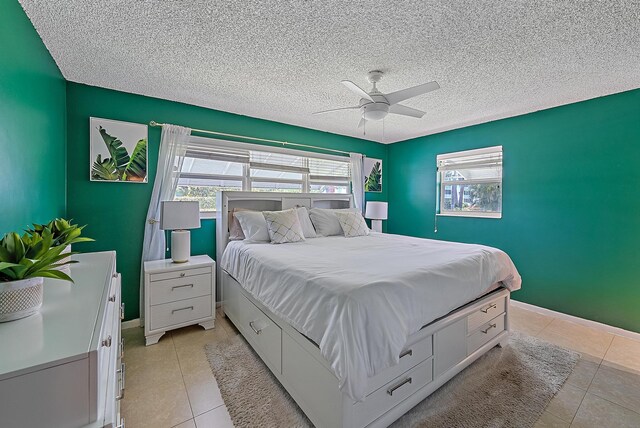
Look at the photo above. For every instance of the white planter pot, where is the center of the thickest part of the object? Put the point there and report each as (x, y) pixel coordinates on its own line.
(66, 268)
(19, 299)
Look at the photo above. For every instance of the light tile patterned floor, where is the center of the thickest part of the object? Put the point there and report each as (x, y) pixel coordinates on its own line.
(170, 384)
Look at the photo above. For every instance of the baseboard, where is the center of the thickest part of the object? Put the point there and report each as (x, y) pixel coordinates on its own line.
(577, 320)
(130, 324)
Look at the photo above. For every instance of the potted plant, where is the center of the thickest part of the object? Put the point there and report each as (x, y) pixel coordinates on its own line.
(64, 234)
(24, 263)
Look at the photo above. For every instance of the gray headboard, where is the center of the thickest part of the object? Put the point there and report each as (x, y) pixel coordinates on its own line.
(267, 201)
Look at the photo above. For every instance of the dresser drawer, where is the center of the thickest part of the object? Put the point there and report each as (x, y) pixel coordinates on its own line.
(179, 274)
(183, 311)
(389, 395)
(485, 333)
(409, 357)
(187, 287)
(485, 313)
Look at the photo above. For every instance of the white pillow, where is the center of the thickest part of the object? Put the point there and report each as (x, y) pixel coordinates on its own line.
(284, 226)
(305, 222)
(352, 223)
(253, 224)
(235, 230)
(326, 222)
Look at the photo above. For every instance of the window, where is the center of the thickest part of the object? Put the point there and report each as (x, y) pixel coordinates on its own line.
(470, 183)
(214, 165)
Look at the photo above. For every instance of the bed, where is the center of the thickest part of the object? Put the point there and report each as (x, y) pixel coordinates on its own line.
(354, 355)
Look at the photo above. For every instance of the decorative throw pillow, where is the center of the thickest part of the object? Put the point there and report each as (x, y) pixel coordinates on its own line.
(235, 230)
(284, 226)
(326, 222)
(253, 224)
(305, 222)
(352, 223)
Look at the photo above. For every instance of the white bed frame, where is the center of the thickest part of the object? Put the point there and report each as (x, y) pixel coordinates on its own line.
(431, 356)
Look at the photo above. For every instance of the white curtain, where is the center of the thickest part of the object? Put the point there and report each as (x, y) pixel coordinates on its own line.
(173, 146)
(357, 180)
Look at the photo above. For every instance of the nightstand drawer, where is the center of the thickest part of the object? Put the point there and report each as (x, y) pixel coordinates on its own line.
(179, 274)
(186, 287)
(183, 311)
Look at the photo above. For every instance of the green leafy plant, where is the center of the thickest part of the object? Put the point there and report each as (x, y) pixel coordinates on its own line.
(373, 182)
(120, 166)
(63, 231)
(31, 256)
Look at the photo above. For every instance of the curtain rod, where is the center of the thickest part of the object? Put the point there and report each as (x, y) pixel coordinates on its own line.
(284, 143)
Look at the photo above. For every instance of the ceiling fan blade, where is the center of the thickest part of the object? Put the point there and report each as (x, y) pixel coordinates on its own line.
(406, 111)
(404, 94)
(361, 123)
(337, 109)
(356, 89)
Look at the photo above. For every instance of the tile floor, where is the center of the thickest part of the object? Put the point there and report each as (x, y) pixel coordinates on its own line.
(170, 384)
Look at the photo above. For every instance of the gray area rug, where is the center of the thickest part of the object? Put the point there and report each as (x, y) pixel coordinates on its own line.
(507, 387)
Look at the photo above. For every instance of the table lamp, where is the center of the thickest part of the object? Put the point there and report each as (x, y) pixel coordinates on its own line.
(376, 212)
(178, 217)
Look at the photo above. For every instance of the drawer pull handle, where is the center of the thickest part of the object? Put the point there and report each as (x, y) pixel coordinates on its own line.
(254, 329)
(487, 309)
(122, 310)
(112, 298)
(408, 352)
(181, 286)
(107, 342)
(182, 309)
(121, 372)
(489, 328)
(121, 424)
(121, 347)
(182, 275)
(391, 390)
(115, 275)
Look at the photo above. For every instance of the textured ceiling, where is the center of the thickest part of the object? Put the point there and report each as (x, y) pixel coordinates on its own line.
(284, 60)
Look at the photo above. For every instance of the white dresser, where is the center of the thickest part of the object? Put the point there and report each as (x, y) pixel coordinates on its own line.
(62, 367)
(178, 295)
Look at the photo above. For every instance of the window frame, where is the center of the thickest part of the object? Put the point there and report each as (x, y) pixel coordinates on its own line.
(441, 183)
(197, 143)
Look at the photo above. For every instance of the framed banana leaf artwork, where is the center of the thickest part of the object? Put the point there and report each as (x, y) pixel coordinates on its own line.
(118, 151)
(372, 169)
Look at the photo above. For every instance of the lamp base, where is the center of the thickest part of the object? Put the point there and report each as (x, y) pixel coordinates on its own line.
(180, 246)
(376, 225)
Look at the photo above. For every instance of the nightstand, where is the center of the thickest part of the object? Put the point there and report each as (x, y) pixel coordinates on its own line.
(178, 295)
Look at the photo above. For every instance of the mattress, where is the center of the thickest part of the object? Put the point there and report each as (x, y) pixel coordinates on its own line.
(360, 298)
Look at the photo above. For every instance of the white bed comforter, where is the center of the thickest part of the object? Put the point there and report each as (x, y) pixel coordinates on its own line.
(360, 298)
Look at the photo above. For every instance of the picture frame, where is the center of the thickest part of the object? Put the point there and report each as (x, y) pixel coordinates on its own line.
(372, 169)
(118, 151)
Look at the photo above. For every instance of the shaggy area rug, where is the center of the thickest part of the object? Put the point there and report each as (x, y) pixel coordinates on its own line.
(506, 387)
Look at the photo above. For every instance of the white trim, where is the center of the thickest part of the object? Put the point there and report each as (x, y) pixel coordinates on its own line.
(577, 320)
(130, 324)
(473, 152)
(477, 214)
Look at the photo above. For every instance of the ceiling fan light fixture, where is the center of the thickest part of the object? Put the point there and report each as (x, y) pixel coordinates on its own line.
(375, 111)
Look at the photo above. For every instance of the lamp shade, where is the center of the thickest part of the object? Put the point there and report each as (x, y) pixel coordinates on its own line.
(179, 215)
(376, 210)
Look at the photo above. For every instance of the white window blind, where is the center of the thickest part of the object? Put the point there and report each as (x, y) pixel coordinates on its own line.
(209, 168)
(470, 183)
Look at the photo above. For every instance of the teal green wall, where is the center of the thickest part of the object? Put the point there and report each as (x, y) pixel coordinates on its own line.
(32, 125)
(115, 212)
(571, 203)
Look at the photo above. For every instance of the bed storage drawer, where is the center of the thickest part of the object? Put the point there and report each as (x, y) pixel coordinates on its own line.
(486, 313)
(485, 333)
(181, 288)
(259, 330)
(174, 313)
(409, 357)
(392, 393)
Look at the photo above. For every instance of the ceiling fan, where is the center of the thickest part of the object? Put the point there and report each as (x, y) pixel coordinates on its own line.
(375, 105)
